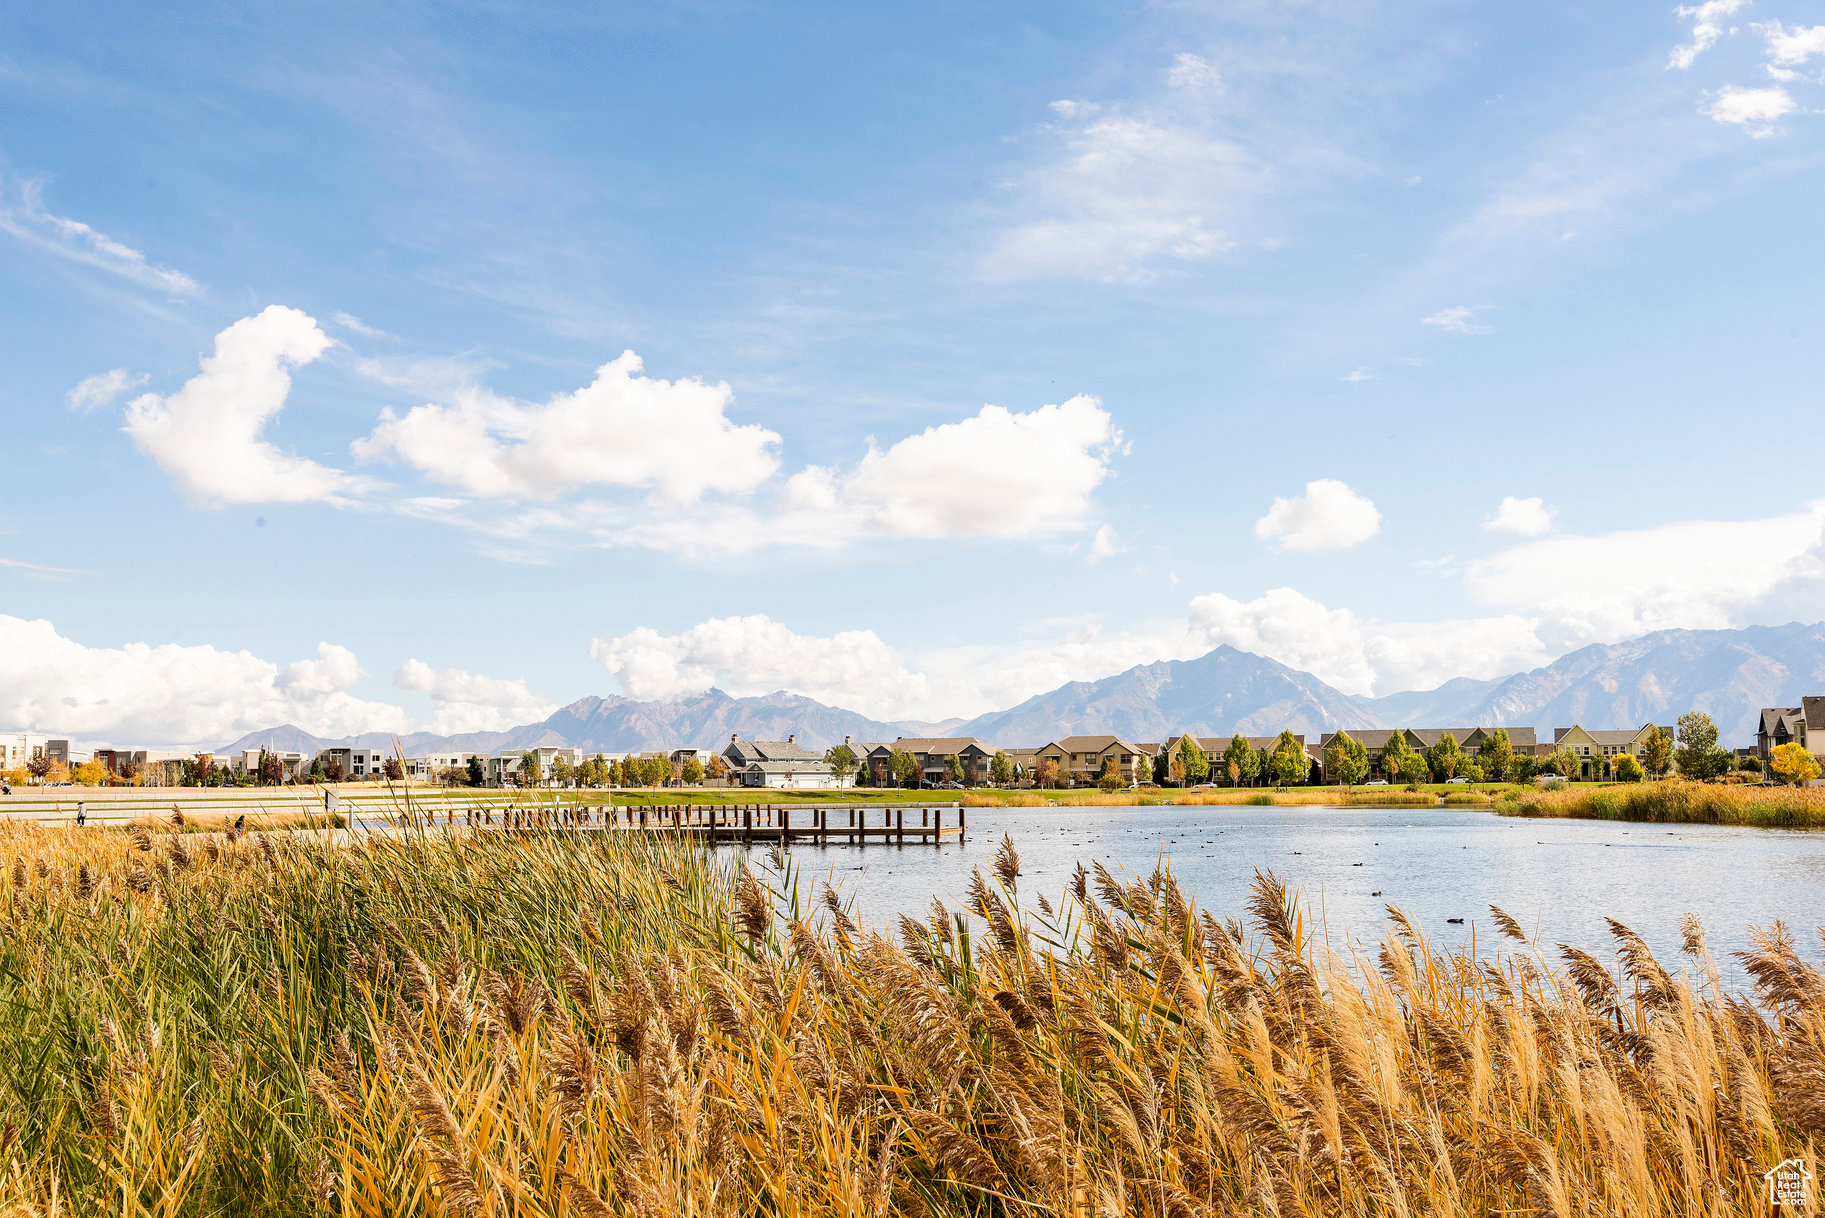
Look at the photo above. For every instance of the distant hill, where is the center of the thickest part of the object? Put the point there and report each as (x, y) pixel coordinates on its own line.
(615, 724)
(1219, 693)
(1729, 674)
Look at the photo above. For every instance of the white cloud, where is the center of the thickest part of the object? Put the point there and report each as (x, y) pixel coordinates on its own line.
(101, 389)
(623, 429)
(1123, 194)
(1528, 517)
(1190, 71)
(757, 655)
(465, 702)
(1700, 574)
(1361, 656)
(1329, 516)
(1458, 319)
(1359, 375)
(1707, 28)
(27, 219)
(142, 695)
(353, 324)
(1754, 110)
(995, 474)
(1790, 48)
(207, 434)
(1104, 544)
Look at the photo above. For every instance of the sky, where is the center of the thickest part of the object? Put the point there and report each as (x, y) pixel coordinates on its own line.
(385, 367)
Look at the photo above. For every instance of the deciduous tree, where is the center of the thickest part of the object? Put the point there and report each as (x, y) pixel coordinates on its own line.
(1197, 762)
(1656, 753)
(1111, 777)
(1240, 761)
(1627, 768)
(903, 765)
(693, 770)
(1001, 768)
(1497, 755)
(1346, 761)
(842, 761)
(1395, 753)
(393, 768)
(1792, 764)
(531, 772)
(1697, 753)
(1290, 762)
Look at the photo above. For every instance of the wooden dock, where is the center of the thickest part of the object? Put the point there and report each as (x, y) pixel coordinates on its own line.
(850, 824)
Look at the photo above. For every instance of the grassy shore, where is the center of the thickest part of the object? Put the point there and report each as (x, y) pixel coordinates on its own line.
(545, 1026)
(1029, 797)
(1676, 801)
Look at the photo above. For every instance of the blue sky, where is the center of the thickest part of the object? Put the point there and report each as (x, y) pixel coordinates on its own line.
(975, 350)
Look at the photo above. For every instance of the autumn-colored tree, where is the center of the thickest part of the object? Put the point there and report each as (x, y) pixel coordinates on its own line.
(393, 768)
(1656, 753)
(1045, 773)
(90, 773)
(1565, 763)
(1111, 778)
(718, 770)
(693, 770)
(1792, 764)
(39, 766)
(1627, 768)
(272, 769)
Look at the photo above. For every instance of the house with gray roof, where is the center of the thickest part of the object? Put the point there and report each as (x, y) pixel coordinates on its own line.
(780, 763)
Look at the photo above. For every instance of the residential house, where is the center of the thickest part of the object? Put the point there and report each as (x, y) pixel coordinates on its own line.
(780, 763)
(1597, 750)
(1023, 761)
(357, 764)
(933, 754)
(1803, 725)
(1080, 759)
(1374, 740)
(1214, 746)
(504, 767)
(294, 765)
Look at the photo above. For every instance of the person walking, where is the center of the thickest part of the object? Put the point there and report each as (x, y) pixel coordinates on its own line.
(82, 815)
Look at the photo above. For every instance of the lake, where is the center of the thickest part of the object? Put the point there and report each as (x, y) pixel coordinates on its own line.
(1558, 878)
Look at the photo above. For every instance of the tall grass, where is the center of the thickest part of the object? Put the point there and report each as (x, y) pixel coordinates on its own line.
(1677, 801)
(546, 1025)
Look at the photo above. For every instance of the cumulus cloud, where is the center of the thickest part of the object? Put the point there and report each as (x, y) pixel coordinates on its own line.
(673, 438)
(1458, 319)
(996, 474)
(175, 695)
(757, 655)
(1707, 28)
(1363, 656)
(1329, 516)
(465, 702)
(1754, 110)
(23, 215)
(1790, 48)
(1699, 574)
(207, 435)
(1528, 517)
(101, 389)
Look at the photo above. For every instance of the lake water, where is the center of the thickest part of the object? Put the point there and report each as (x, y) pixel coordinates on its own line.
(1558, 878)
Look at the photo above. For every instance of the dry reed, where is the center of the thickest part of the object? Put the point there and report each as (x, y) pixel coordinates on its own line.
(542, 1025)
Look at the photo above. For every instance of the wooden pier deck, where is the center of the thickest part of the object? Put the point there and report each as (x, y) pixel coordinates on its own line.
(857, 824)
(505, 812)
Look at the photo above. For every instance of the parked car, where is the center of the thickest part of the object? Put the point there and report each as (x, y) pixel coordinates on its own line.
(1376, 782)
(1459, 778)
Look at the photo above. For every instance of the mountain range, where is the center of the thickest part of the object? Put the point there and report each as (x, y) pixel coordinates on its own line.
(1729, 674)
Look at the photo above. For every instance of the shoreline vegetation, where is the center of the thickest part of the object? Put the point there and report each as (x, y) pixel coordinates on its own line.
(1678, 802)
(445, 1025)
(1671, 801)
